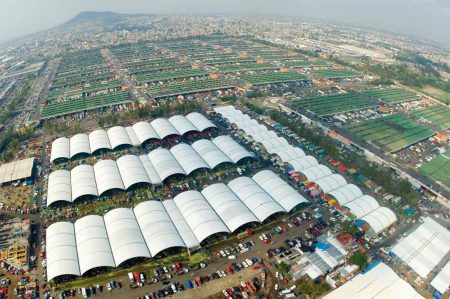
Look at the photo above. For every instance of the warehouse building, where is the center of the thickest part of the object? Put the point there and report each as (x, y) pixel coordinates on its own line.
(118, 137)
(189, 220)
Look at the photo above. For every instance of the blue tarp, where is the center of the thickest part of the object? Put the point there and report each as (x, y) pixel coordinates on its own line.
(372, 265)
(359, 223)
(437, 295)
(322, 246)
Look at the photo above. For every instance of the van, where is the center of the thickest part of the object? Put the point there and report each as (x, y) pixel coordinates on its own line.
(130, 276)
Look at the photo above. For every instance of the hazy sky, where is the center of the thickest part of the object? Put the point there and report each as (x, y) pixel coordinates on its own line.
(426, 18)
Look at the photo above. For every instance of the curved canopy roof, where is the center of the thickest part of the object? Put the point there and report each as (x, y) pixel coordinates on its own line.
(346, 193)
(246, 124)
(362, 206)
(93, 243)
(144, 131)
(79, 144)
(231, 148)
(99, 139)
(303, 163)
(279, 190)
(165, 163)
(273, 145)
(118, 136)
(200, 121)
(62, 256)
(107, 176)
(380, 219)
(290, 153)
(164, 128)
(331, 182)
(157, 228)
(316, 172)
(83, 181)
(64, 148)
(133, 137)
(182, 124)
(261, 136)
(60, 149)
(132, 171)
(201, 218)
(255, 198)
(228, 206)
(180, 223)
(210, 153)
(150, 170)
(125, 236)
(188, 158)
(59, 187)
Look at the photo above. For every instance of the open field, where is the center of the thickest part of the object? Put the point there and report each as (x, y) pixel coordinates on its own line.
(438, 169)
(393, 133)
(437, 93)
(438, 115)
(332, 104)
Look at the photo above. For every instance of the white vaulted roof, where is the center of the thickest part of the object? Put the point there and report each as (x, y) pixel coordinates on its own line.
(133, 137)
(255, 198)
(60, 149)
(380, 219)
(331, 182)
(279, 190)
(99, 139)
(107, 176)
(144, 131)
(165, 163)
(212, 155)
(346, 193)
(150, 169)
(273, 145)
(261, 136)
(200, 121)
(157, 228)
(381, 282)
(423, 249)
(118, 136)
(201, 218)
(316, 172)
(228, 206)
(290, 153)
(164, 128)
(61, 248)
(79, 144)
(188, 158)
(182, 124)
(59, 187)
(231, 148)
(442, 281)
(362, 205)
(180, 223)
(132, 171)
(92, 243)
(303, 163)
(83, 181)
(125, 236)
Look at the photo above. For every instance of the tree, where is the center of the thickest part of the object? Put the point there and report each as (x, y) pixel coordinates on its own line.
(311, 288)
(283, 267)
(360, 260)
(349, 227)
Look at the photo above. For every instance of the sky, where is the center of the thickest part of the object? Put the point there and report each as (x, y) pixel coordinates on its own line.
(423, 18)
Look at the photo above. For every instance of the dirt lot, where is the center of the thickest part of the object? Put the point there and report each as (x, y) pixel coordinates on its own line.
(16, 196)
(440, 94)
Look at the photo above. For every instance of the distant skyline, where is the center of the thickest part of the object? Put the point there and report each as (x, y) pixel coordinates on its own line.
(422, 18)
